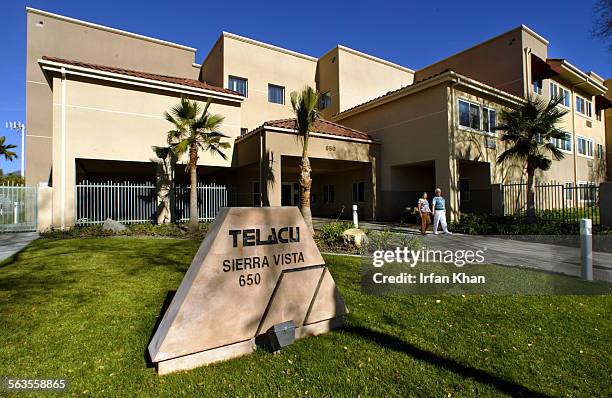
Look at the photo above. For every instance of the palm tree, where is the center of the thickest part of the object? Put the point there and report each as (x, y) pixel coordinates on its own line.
(194, 132)
(530, 129)
(5, 150)
(304, 105)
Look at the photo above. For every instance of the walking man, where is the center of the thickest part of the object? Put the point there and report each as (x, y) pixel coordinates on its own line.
(438, 208)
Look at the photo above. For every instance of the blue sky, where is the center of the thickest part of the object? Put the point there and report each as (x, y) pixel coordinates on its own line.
(410, 33)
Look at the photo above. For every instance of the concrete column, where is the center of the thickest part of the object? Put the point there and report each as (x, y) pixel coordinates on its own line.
(271, 178)
(448, 181)
(45, 208)
(605, 203)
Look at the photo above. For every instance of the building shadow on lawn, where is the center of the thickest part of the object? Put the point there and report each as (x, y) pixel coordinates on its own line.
(393, 343)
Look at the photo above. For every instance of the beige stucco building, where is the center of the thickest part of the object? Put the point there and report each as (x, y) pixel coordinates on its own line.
(96, 98)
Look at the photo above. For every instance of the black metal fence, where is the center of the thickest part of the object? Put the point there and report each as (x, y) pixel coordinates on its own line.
(554, 201)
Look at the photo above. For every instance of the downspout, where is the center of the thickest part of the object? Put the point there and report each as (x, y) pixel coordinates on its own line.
(574, 145)
(261, 170)
(455, 172)
(63, 152)
(527, 70)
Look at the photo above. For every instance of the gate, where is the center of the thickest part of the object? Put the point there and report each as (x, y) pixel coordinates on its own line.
(18, 208)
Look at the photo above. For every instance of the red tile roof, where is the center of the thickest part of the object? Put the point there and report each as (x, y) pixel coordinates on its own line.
(144, 75)
(322, 127)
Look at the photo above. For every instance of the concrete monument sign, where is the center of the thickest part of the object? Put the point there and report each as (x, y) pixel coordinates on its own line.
(257, 267)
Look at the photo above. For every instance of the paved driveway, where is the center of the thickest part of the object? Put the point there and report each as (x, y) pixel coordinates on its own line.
(12, 243)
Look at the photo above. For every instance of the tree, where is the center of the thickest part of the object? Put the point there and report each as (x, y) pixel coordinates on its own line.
(5, 149)
(602, 26)
(530, 130)
(304, 105)
(194, 130)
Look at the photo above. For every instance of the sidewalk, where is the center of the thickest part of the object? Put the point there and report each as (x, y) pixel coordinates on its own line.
(12, 243)
(558, 258)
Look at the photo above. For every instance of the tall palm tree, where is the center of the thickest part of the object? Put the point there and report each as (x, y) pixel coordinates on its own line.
(5, 149)
(194, 131)
(530, 129)
(304, 105)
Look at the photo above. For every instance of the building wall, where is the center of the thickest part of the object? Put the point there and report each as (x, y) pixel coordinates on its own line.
(498, 61)
(363, 77)
(262, 65)
(328, 81)
(55, 36)
(608, 127)
(413, 130)
(114, 122)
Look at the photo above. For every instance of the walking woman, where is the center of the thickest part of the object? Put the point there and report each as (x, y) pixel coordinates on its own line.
(424, 211)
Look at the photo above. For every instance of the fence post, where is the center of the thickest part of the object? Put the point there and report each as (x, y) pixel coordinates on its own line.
(586, 248)
(605, 203)
(497, 199)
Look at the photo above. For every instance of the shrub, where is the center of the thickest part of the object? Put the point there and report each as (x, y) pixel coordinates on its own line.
(96, 231)
(332, 233)
(483, 224)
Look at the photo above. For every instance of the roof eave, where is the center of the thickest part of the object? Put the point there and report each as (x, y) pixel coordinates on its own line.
(53, 66)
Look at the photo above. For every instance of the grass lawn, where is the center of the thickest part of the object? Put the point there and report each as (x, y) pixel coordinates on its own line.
(85, 310)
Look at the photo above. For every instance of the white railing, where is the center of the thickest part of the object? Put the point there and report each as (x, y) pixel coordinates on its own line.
(210, 199)
(137, 202)
(18, 208)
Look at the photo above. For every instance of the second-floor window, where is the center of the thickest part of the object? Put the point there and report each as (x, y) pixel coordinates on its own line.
(325, 100)
(276, 94)
(563, 144)
(489, 120)
(584, 106)
(239, 85)
(469, 115)
(600, 151)
(585, 146)
(537, 86)
(557, 91)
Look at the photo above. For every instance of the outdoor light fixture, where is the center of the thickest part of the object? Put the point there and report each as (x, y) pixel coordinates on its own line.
(18, 126)
(278, 336)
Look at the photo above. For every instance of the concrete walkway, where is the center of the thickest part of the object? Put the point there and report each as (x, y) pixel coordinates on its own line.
(547, 257)
(559, 257)
(12, 243)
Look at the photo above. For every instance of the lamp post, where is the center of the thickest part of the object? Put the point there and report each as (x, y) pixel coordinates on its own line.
(18, 126)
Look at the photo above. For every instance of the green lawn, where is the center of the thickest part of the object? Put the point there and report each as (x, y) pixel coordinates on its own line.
(85, 310)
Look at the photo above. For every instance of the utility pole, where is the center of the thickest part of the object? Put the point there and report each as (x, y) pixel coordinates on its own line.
(18, 126)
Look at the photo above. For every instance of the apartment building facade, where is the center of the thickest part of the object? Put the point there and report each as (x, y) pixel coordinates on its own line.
(95, 98)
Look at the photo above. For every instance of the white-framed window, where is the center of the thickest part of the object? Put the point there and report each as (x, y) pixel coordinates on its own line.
(584, 146)
(557, 91)
(325, 100)
(358, 192)
(600, 153)
(489, 120)
(584, 106)
(276, 94)
(469, 115)
(586, 191)
(328, 193)
(537, 86)
(564, 144)
(238, 84)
